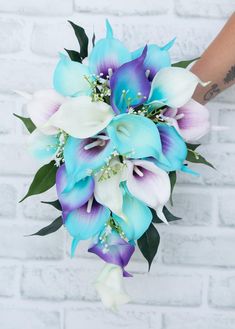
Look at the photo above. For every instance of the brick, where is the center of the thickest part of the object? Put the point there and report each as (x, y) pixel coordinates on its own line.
(11, 36)
(17, 161)
(15, 243)
(43, 7)
(222, 156)
(7, 281)
(7, 123)
(226, 118)
(7, 201)
(165, 289)
(57, 283)
(131, 317)
(222, 291)
(227, 209)
(193, 208)
(35, 210)
(190, 42)
(227, 96)
(198, 321)
(192, 249)
(19, 74)
(15, 318)
(50, 39)
(209, 8)
(122, 7)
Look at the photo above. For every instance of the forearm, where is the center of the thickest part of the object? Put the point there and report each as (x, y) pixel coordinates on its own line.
(217, 64)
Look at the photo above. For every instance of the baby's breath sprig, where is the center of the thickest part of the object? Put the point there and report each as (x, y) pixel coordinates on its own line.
(59, 156)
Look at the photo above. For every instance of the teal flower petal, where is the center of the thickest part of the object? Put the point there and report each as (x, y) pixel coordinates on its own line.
(129, 85)
(138, 215)
(135, 136)
(157, 58)
(108, 53)
(86, 221)
(173, 148)
(82, 156)
(43, 147)
(69, 78)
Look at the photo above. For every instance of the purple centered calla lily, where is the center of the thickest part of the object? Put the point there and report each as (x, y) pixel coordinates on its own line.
(173, 148)
(82, 156)
(148, 183)
(114, 250)
(129, 85)
(86, 222)
(190, 120)
(78, 196)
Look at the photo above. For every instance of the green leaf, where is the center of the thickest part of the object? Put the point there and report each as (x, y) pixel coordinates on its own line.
(82, 39)
(192, 146)
(148, 244)
(184, 64)
(169, 216)
(56, 204)
(27, 122)
(43, 180)
(195, 157)
(74, 55)
(93, 40)
(172, 177)
(53, 227)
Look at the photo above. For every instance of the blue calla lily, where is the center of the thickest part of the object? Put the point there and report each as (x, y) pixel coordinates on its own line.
(173, 148)
(86, 222)
(82, 156)
(156, 58)
(69, 77)
(138, 215)
(135, 136)
(129, 85)
(108, 54)
(78, 196)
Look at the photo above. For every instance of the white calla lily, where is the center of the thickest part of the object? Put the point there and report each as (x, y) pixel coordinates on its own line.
(80, 117)
(107, 191)
(110, 288)
(173, 86)
(150, 184)
(42, 105)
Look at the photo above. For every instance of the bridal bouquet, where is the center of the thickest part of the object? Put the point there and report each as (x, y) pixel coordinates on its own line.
(111, 134)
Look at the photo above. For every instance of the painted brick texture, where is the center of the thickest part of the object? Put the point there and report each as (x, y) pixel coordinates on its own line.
(192, 282)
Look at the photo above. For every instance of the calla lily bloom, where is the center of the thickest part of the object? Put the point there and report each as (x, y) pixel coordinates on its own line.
(138, 215)
(191, 120)
(108, 54)
(81, 117)
(80, 194)
(108, 191)
(82, 156)
(173, 86)
(86, 221)
(126, 131)
(113, 250)
(109, 286)
(129, 85)
(150, 184)
(43, 147)
(157, 58)
(42, 105)
(70, 78)
(173, 148)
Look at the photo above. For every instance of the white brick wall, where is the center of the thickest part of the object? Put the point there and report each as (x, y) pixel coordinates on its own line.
(192, 282)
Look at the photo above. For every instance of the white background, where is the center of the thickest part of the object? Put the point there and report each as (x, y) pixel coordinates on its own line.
(192, 282)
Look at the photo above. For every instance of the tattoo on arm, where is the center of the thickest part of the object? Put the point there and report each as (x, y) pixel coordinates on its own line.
(212, 92)
(230, 76)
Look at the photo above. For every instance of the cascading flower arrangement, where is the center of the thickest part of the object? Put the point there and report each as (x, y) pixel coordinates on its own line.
(113, 132)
